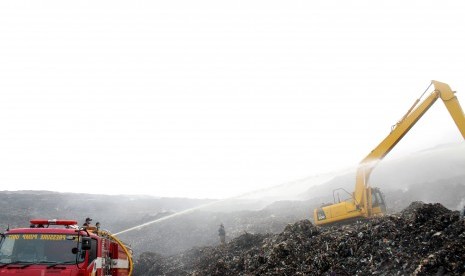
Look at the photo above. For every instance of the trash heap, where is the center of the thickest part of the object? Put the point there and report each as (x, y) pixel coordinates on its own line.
(424, 239)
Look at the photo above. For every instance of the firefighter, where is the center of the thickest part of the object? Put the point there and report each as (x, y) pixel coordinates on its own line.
(87, 223)
(222, 234)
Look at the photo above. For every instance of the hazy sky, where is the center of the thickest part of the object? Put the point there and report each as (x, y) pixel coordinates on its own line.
(215, 98)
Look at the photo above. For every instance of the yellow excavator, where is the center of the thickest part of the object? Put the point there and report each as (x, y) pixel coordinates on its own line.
(367, 201)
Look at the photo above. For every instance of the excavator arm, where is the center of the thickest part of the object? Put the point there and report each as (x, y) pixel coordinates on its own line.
(364, 195)
(441, 90)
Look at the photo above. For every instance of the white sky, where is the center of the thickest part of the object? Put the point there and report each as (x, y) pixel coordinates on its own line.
(214, 98)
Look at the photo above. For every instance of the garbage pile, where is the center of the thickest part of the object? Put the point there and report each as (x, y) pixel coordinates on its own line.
(424, 239)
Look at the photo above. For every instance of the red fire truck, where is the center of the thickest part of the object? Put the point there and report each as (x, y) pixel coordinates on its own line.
(61, 247)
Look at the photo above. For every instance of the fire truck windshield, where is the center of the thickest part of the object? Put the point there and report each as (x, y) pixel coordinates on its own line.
(40, 248)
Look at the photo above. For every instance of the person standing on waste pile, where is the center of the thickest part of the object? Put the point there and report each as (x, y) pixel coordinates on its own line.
(222, 234)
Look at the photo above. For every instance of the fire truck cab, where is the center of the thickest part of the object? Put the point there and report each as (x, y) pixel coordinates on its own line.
(61, 247)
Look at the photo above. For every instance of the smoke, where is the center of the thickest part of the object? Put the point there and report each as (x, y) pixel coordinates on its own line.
(254, 200)
(401, 173)
(461, 204)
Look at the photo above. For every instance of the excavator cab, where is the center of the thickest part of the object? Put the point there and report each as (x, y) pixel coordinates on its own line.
(347, 211)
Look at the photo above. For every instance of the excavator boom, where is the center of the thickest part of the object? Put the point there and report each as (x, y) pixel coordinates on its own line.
(367, 201)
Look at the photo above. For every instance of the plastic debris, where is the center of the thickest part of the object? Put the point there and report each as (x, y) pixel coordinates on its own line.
(424, 239)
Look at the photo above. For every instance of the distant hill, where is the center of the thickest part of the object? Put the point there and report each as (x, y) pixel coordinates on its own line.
(114, 212)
